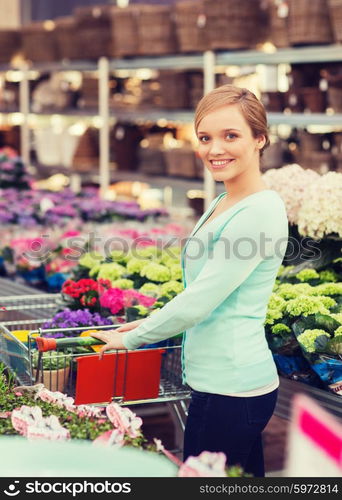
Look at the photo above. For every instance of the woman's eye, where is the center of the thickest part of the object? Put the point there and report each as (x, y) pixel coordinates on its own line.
(203, 138)
(231, 136)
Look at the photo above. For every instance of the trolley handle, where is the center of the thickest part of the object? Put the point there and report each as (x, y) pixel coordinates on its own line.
(45, 344)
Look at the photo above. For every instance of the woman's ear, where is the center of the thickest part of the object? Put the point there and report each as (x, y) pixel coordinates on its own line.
(261, 141)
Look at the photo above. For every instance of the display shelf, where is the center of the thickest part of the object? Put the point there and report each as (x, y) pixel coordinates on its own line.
(300, 120)
(177, 61)
(183, 116)
(208, 61)
(289, 55)
(288, 388)
(305, 119)
(63, 65)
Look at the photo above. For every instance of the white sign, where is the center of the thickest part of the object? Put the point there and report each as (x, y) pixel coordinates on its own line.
(314, 447)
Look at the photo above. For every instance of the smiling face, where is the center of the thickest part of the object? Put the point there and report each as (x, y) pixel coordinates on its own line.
(226, 144)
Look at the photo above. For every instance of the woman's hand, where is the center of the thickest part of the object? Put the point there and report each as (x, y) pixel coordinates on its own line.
(112, 339)
(130, 326)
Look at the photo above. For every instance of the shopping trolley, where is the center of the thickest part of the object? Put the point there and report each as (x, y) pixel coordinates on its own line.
(20, 313)
(148, 375)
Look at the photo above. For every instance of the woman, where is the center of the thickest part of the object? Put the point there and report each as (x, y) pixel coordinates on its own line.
(230, 263)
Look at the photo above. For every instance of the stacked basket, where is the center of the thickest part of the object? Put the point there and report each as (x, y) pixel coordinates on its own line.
(39, 42)
(93, 28)
(124, 25)
(233, 24)
(190, 26)
(10, 44)
(156, 30)
(309, 22)
(67, 42)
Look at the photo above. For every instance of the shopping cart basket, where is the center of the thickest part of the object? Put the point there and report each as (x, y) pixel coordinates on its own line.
(18, 313)
(151, 374)
(128, 377)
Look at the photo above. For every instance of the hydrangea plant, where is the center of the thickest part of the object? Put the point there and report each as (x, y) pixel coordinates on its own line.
(309, 337)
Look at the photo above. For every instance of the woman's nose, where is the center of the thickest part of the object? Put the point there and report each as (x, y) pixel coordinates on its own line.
(217, 147)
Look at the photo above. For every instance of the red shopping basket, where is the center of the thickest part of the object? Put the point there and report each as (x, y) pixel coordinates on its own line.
(131, 375)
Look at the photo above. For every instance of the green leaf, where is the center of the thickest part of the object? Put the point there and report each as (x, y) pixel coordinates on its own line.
(326, 322)
(321, 343)
(304, 323)
(334, 346)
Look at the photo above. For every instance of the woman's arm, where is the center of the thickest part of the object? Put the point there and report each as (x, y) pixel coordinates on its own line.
(220, 276)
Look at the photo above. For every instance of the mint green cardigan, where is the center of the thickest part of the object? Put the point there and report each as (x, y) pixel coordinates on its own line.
(229, 270)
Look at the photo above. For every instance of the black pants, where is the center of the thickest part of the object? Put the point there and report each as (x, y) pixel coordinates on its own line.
(232, 425)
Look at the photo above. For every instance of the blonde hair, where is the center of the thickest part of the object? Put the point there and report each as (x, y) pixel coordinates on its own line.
(251, 108)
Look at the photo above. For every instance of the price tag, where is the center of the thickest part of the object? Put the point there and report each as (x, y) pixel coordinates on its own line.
(315, 441)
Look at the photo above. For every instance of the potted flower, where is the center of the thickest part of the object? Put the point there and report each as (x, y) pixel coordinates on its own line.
(51, 369)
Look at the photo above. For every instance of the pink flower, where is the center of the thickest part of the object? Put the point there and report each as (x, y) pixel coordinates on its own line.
(25, 417)
(124, 419)
(207, 464)
(90, 411)
(70, 234)
(132, 297)
(18, 393)
(5, 414)
(113, 299)
(113, 438)
(147, 242)
(58, 398)
(48, 428)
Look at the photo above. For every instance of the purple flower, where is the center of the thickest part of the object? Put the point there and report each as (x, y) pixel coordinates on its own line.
(71, 319)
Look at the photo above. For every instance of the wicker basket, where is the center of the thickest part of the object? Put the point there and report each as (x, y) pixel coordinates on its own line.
(335, 9)
(124, 26)
(174, 90)
(190, 26)
(181, 162)
(86, 156)
(314, 99)
(93, 25)
(89, 93)
(67, 42)
(124, 143)
(156, 30)
(335, 98)
(10, 44)
(310, 142)
(309, 22)
(151, 161)
(232, 25)
(39, 44)
(278, 24)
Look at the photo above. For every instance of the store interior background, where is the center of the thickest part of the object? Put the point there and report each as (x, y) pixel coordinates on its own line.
(149, 153)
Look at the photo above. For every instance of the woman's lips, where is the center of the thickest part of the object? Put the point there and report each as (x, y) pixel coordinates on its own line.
(220, 164)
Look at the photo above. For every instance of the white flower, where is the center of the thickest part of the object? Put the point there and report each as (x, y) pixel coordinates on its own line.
(114, 438)
(207, 464)
(321, 209)
(291, 182)
(124, 420)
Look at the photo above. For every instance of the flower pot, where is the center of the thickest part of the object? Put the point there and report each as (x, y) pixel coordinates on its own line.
(54, 380)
